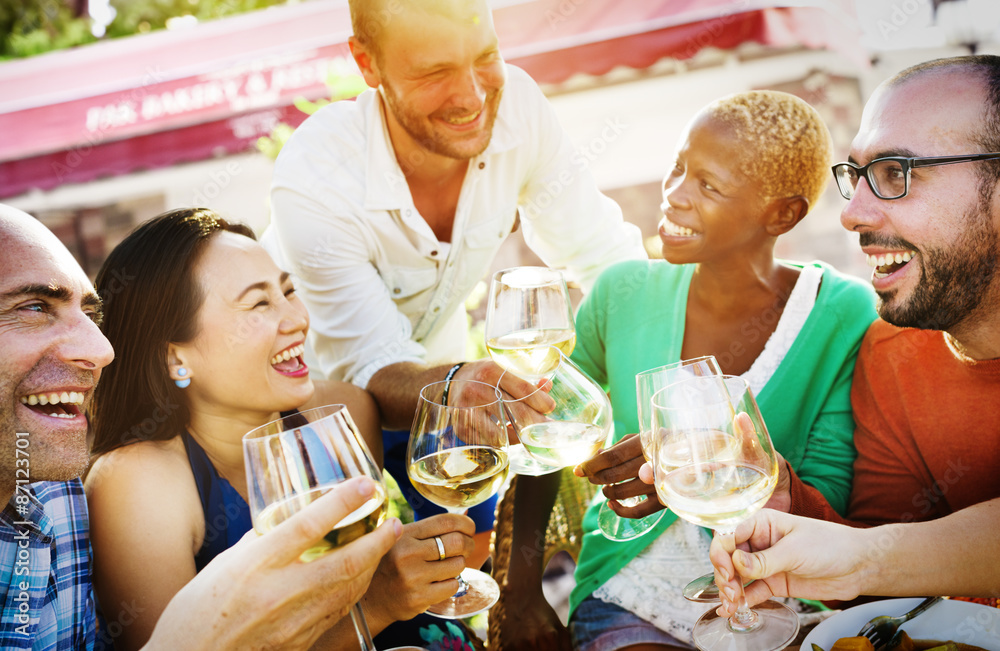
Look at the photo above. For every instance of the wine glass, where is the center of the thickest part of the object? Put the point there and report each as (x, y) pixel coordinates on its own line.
(292, 461)
(714, 465)
(575, 429)
(612, 525)
(528, 313)
(457, 458)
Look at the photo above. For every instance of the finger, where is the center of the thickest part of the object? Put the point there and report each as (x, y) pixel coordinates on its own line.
(646, 507)
(353, 564)
(620, 453)
(628, 487)
(646, 473)
(440, 524)
(286, 542)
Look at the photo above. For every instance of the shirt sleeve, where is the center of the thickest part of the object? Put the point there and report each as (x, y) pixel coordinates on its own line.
(357, 329)
(567, 221)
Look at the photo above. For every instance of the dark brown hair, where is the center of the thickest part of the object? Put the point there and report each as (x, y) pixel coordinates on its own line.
(151, 299)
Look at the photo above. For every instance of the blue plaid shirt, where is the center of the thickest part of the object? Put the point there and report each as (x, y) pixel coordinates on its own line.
(45, 571)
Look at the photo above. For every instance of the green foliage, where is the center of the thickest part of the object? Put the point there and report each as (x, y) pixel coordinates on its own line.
(31, 27)
(141, 16)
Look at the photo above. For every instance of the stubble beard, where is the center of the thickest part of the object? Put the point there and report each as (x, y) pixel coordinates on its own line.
(954, 283)
(422, 131)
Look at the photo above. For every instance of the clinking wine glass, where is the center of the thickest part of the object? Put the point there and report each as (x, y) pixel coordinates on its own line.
(575, 429)
(528, 313)
(457, 458)
(292, 461)
(647, 383)
(714, 465)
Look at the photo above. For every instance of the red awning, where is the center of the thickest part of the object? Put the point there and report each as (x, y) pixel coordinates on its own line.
(176, 96)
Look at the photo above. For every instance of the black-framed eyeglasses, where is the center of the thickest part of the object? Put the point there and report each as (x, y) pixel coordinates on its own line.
(889, 177)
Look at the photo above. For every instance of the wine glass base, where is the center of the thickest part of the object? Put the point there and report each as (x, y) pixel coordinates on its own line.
(703, 590)
(615, 527)
(482, 593)
(777, 627)
(522, 463)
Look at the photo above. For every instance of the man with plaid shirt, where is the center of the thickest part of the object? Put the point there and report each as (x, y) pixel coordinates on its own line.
(257, 594)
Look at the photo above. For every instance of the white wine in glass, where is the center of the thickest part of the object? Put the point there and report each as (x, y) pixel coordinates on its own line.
(576, 428)
(457, 458)
(714, 465)
(528, 316)
(647, 383)
(294, 460)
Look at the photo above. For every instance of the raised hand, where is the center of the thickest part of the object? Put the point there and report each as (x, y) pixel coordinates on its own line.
(258, 594)
(621, 463)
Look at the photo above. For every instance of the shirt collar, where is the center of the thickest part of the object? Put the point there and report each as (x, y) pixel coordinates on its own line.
(33, 517)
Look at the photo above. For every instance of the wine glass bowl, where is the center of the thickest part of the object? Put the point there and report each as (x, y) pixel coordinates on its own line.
(457, 458)
(647, 383)
(292, 461)
(529, 312)
(714, 465)
(576, 429)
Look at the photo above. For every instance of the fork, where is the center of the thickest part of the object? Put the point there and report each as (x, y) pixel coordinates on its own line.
(881, 629)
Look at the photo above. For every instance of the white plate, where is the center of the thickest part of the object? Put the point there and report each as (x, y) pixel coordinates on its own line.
(958, 621)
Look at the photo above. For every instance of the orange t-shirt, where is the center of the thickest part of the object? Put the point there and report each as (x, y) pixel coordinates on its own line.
(928, 430)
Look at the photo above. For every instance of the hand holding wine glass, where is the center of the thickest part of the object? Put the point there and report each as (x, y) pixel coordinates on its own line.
(647, 383)
(714, 465)
(457, 458)
(578, 425)
(293, 461)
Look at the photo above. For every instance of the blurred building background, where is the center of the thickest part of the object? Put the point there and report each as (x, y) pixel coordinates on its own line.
(100, 137)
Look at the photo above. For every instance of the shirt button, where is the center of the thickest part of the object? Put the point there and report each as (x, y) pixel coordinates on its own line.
(407, 212)
(434, 253)
(482, 165)
(437, 309)
(397, 290)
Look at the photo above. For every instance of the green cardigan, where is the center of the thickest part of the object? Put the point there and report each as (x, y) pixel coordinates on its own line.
(633, 320)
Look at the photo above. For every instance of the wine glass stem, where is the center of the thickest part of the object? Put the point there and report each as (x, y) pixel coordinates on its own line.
(743, 620)
(361, 627)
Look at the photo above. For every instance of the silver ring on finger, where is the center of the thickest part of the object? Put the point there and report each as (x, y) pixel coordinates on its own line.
(440, 546)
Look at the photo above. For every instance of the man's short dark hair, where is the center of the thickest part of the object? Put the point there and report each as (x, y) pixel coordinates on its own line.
(987, 67)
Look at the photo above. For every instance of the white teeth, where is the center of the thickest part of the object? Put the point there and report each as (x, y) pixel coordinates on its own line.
(890, 258)
(676, 229)
(464, 120)
(288, 354)
(66, 398)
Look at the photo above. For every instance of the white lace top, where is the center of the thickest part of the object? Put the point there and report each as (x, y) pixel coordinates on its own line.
(651, 584)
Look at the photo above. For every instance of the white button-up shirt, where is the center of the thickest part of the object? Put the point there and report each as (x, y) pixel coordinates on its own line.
(379, 286)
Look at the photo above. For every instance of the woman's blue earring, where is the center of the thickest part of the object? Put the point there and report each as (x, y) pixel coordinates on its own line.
(185, 382)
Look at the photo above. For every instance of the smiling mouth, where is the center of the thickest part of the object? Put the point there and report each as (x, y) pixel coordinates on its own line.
(462, 121)
(677, 230)
(886, 264)
(67, 404)
(290, 360)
